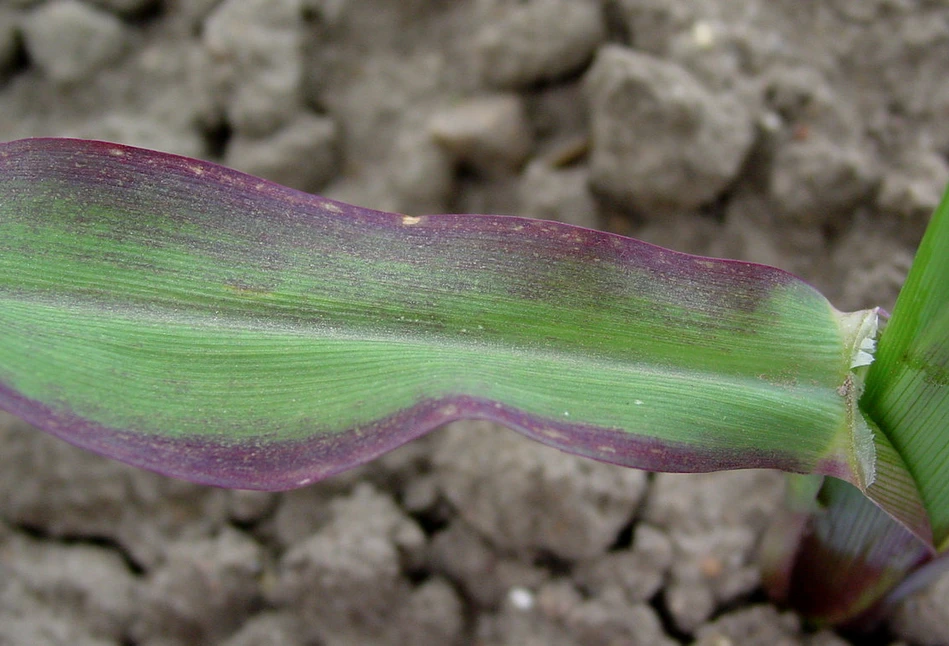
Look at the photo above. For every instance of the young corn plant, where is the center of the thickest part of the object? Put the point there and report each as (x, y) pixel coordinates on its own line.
(213, 326)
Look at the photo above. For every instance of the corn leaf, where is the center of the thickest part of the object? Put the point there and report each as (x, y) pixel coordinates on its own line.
(833, 555)
(209, 325)
(836, 560)
(907, 389)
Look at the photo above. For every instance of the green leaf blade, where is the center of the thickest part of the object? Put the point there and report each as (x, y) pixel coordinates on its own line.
(907, 391)
(213, 326)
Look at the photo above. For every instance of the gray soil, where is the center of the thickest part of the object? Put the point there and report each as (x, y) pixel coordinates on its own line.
(808, 135)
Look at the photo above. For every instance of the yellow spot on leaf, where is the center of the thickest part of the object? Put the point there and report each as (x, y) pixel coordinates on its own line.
(553, 434)
(450, 410)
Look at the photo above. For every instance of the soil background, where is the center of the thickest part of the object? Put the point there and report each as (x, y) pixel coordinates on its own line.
(808, 135)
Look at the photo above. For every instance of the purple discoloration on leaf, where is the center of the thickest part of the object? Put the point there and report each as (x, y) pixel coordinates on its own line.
(228, 200)
(276, 466)
(177, 264)
(844, 533)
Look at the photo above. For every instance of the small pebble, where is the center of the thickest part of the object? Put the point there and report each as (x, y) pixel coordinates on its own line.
(69, 40)
(538, 41)
(256, 48)
(521, 598)
(491, 134)
(661, 140)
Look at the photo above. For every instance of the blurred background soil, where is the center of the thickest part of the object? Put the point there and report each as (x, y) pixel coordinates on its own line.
(808, 135)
